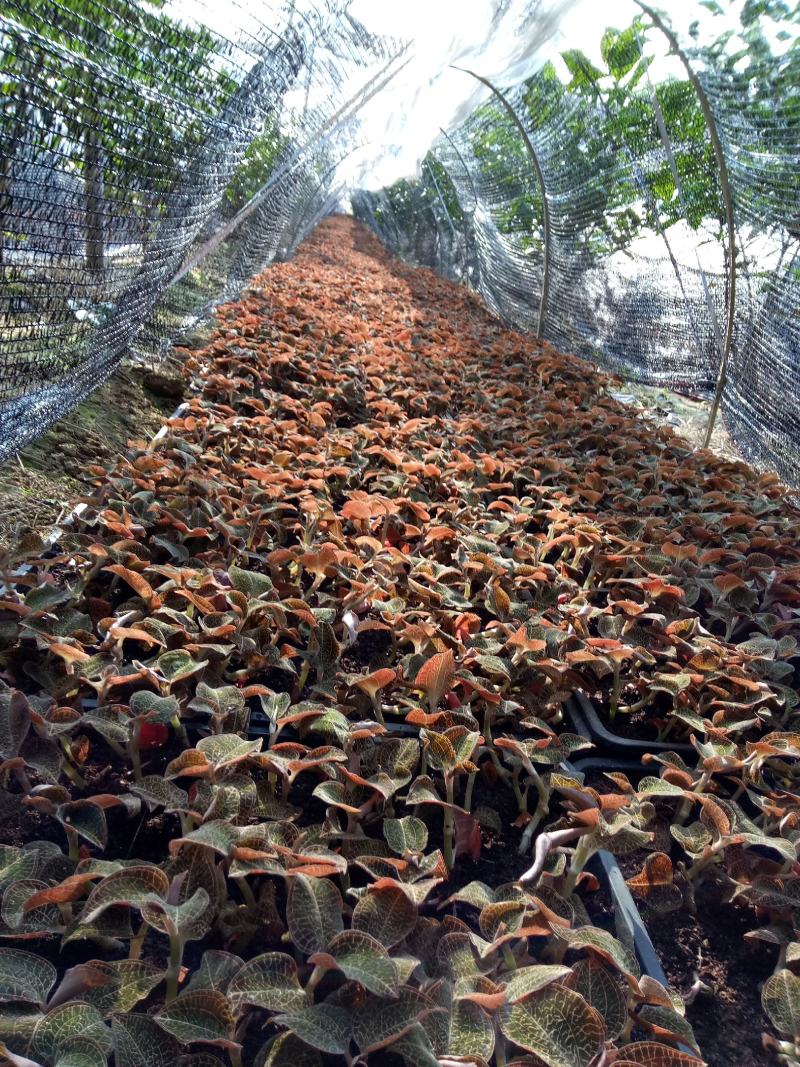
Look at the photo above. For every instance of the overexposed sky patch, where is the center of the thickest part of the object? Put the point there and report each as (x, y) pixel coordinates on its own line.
(503, 40)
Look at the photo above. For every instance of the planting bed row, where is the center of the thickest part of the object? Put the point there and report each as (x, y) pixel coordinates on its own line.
(319, 729)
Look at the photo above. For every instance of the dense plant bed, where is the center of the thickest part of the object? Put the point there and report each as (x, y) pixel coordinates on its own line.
(218, 847)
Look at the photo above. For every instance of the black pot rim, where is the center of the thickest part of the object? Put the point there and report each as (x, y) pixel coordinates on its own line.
(584, 718)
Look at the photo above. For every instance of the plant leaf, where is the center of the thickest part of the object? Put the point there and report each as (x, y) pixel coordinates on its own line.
(200, 1015)
(132, 886)
(527, 980)
(313, 912)
(25, 976)
(557, 1025)
(408, 834)
(780, 999)
(287, 1050)
(140, 1042)
(378, 1021)
(436, 676)
(267, 981)
(386, 913)
(360, 957)
(323, 1026)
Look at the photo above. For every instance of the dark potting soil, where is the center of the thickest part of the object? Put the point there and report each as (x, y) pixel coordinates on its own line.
(728, 1020)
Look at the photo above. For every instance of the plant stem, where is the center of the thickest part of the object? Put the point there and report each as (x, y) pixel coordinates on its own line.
(69, 768)
(468, 791)
(137, 941)
(580, 857)
(74, 843)
(174, 969)
(615, 692)
(541, 810)
(522, 800)
(247, 892)
(499, 1050)
(180, 729)
(448, 829)
(316, 977)
(508, 957)
(376, 707)
(134, 757)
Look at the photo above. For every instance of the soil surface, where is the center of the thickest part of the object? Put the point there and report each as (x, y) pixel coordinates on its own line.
(687, 415)
(41, 484)
(725, 1014)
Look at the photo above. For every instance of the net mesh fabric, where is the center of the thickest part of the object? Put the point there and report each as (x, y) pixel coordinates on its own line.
(150, 164)
(638, 276)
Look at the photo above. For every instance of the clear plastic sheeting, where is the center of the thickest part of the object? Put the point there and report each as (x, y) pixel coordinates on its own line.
(616, 207)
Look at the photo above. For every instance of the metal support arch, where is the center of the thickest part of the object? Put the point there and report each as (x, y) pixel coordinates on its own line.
(540, 176)
(727, 197)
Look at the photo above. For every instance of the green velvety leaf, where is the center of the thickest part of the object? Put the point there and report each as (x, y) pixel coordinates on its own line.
(215, 971)
(223, 750)
(87, 820)
(603, 943)
(409, 834)
(177, 665)
(555, 1024)
(268, 981)
(200, 1015)
(654, 1054)
(251, 583)
(132, 886)
(692, 838)
(18, 1021)
(25, 976)
(416, 1049)
(602, 990)
(455, 955)
(15, 721)
(526, 980)
(191, 919)
(470, 1031)
(15, 864)
(287, 1050)
(313, 912)
(140, 1042)
(81, 1052)
(659, 787)
(668, 1019)
(114, 987)
(223, 702)
(780, 999)
(45, 919)
(380, 1021)
(59, 1028)
(113, 925)
(365, 960)
(157, 791)
(386, 913)
(156, 708)
(217, 835)
(322, 1026)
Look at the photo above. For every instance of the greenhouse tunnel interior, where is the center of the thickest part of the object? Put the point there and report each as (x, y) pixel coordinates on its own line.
(399, 533)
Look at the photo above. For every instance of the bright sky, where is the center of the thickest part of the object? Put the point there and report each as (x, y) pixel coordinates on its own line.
(503, 40)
